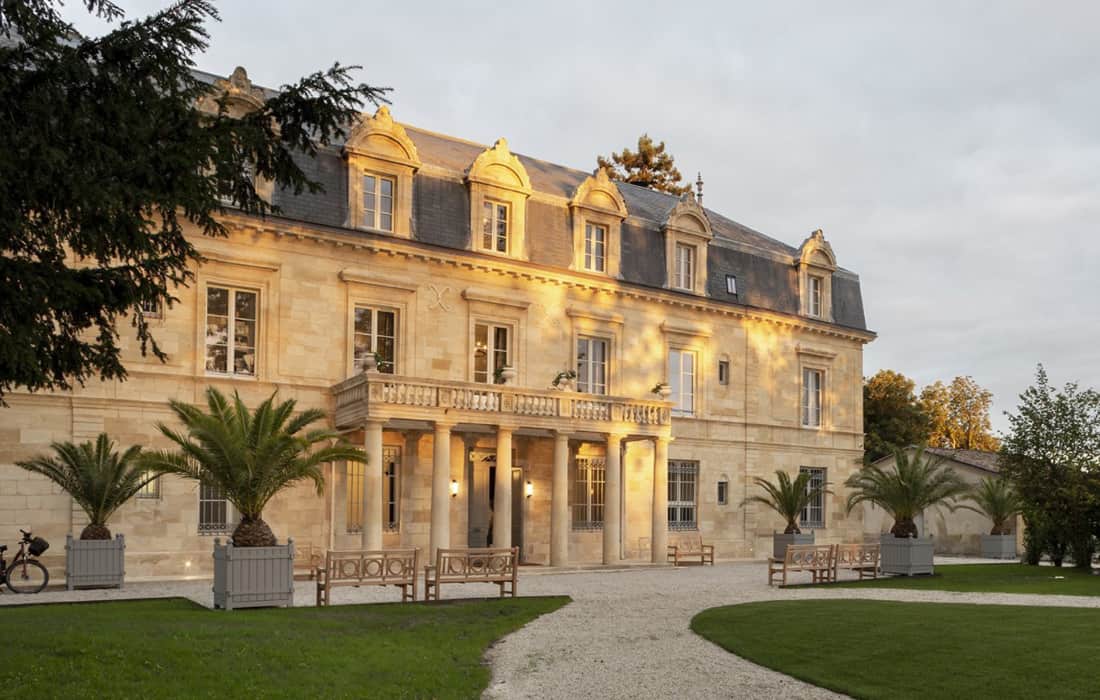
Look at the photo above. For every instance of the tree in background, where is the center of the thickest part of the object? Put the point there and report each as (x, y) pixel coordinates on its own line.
(649, 167)
(103, 160)
(959, 415)
(892, 417)
(1052, 455)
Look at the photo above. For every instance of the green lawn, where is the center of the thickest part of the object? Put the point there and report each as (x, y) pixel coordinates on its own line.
(166, 648)
(879, 649)
(992, 578)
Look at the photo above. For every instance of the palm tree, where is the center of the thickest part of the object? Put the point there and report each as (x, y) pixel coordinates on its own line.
(249, 455)
(998, 501)
(914, 484)
(786, 497)
(98, 478)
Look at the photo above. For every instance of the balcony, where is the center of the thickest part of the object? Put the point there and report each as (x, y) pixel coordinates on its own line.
(407, 399)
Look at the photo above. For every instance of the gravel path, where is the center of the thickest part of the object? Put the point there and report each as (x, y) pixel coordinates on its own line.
(625, 635)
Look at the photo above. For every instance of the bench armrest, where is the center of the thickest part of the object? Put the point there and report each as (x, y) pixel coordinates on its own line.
(707, 547)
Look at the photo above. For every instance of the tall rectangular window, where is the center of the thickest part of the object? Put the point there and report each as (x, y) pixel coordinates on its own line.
(683, 477)
(592, 365)
(723, 372)
(494, 226)
(391, 494)
(595, 248)
(150, 490)
(214, 509)
(815, 296)
(681, 378)
(492, 352)
(731, 285)
(588, 493)
(685, 267)
(375, 332)
(378, 194)
(813, 381)
(813, 515)
(231, 316)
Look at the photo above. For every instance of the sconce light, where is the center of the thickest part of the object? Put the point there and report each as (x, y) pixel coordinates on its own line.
(529, 489)
(454, 488)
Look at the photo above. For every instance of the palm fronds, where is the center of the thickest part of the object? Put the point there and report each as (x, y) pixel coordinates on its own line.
(997, 500)
(786, 497)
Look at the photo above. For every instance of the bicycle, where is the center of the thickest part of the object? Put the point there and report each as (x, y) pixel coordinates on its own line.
(25, 574)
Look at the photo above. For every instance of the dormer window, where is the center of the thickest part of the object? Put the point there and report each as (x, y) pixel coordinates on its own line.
(382, 160)
(816, 264)
(494, 226)
(815, 296)
(597, 210)
(687, 237)
(684, 267)
(378, 196)
(499, 188)
(595, 248)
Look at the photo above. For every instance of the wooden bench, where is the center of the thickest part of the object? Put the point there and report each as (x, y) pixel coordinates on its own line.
(475, 565)
(689, 549)
(308, 558)
(814, 558)
(864, 559)
(381, 567)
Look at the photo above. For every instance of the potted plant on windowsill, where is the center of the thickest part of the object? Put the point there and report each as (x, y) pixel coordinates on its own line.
(788, 498)
(99, 480)
(250, 456)
(914, 484)
(564, 380)
(662, 389)
(998, 501)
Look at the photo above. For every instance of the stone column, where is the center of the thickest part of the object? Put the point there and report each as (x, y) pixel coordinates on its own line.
(441, 490)
(559, 502)
(659, 537)
(372, 486)
(612, 498)
(502, 495)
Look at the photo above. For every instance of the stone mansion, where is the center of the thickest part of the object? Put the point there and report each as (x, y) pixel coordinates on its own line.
(436, 301)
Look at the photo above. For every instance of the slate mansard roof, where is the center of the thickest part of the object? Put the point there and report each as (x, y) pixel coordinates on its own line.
(766, 269)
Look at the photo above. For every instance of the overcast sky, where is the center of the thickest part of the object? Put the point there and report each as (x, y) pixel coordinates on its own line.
(950, 151)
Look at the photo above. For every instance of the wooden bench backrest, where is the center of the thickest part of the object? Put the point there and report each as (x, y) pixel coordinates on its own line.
(372, 566)
(848, 555)
(809, 556)
(476, 564)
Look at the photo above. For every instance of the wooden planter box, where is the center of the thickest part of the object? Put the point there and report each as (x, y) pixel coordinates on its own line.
(95, 563)
(909, 556)
(999, 546)
(253, 577)
(781, 540)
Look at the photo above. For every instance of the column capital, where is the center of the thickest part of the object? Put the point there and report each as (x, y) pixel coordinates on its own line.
(374, 422)
(616, 436)
(560, 434)
(441, 425)
(505, 430)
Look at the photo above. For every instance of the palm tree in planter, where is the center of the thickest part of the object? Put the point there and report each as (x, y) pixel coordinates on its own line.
(250, 456)
(788, 499)
(914, 484)
(997, 500)
(99, 479)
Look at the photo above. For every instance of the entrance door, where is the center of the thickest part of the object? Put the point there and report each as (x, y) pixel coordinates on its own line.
(519, 499)
(481, 470)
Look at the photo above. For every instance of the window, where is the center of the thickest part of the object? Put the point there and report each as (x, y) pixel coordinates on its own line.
(150, 308)
(685, 267)
(391, 461)
(815, 296)
(682, 478)
(723, 491)
(588, 493)
(213, 509)
(378, 202)
(494, 226)
(231, 331)
(491, 352)
(353, 512)
(150, 490)
(812, 382)
(375, 332)
(813, 515)
(681, 378)
(595, 248)
(723, 372)
(591, 365)
(731, 285)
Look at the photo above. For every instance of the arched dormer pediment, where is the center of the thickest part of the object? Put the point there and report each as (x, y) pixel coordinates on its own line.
(816, 264)
(379, 136)
(688, 216)
(599, 192)
(382, 160)
(687, 236)
(816, 251)
(597, 209)
(236, 91)
(498, 166)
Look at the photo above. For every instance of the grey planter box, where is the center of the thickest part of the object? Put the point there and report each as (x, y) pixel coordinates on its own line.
(253, 577)
(781, 540)
(910, 556)
(999, 546)
(95, 563)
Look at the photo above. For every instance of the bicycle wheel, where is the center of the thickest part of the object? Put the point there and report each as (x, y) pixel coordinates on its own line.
(27, 576)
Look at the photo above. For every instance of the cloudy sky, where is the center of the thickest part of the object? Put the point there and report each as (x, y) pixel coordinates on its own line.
(950, 151)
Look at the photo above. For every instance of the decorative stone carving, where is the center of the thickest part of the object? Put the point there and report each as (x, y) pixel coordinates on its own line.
(499, 167)
(380, 147)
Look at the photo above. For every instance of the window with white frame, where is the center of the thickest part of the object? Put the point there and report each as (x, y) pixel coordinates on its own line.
(214, 509)
(813, 515)
(494, 226)
(813, 381)
(151, 489)
(492, 352)
(231, 321)
(731, 285)
(595, 247)
(378, 196)
(685, 267)
(375, 334)
(592, 365)
(683, 477)
(391, 494)
(681, 379)
(814, 295)
(151, 308)
(588, 492)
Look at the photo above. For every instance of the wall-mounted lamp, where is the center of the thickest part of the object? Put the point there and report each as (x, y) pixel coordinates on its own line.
(454, 488)
(529, 489)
